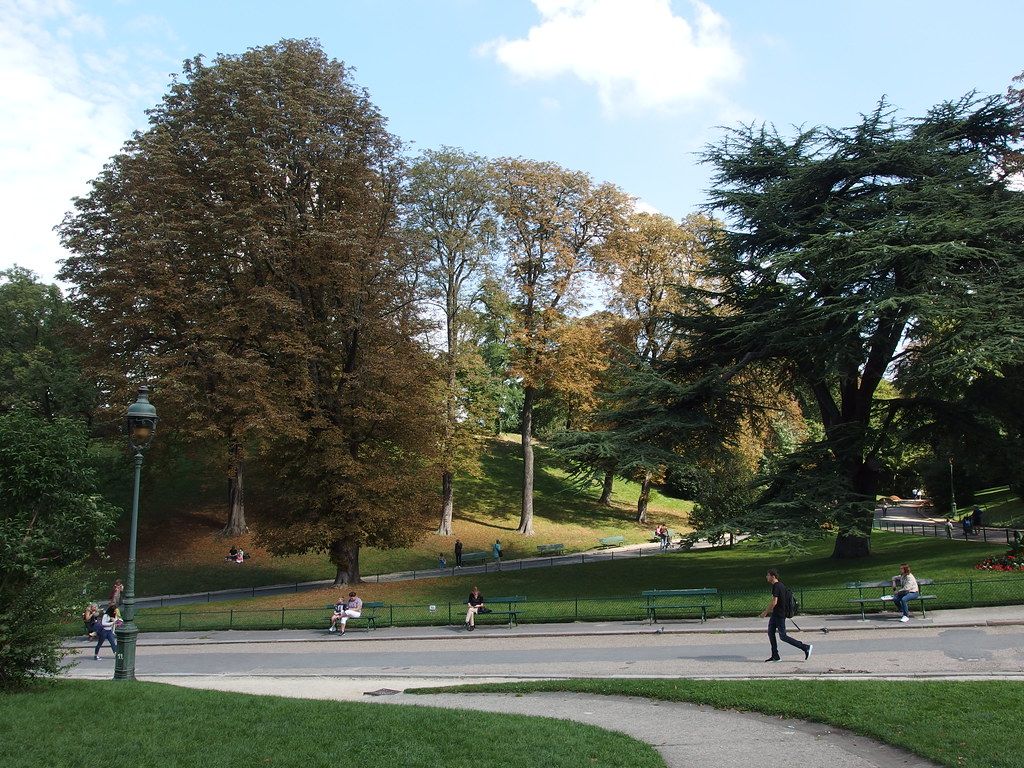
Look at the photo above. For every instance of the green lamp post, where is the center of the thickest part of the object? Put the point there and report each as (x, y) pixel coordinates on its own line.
(142, 420)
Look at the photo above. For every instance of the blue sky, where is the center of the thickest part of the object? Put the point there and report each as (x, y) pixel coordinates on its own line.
(627, 90)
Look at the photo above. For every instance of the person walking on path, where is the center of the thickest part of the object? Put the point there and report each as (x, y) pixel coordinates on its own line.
(105, 631)
(475, 605)
(776, 611)
(352, 609)
(496, 549)
(906, 590)
(458, 553)
(116, 592)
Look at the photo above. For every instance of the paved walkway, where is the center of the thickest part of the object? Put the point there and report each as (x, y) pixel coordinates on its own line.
(918, 518)
(593, 556)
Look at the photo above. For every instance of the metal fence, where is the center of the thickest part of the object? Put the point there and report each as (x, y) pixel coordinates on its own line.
(982, 591)
(985, 534)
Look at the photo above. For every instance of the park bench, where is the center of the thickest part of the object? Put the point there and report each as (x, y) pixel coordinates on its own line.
(884, 596)
(511, 608)
(550, 549)
(611, 541)
(369, 614)
(475, 557)
(677, 600)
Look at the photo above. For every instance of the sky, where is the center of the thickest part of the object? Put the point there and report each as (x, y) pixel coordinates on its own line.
(629, 91)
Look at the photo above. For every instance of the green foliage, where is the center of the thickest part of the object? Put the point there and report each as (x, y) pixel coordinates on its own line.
(848, 253)
(40, 356)
(51, 518)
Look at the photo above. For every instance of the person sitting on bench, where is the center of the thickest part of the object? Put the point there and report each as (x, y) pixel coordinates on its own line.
(345, 610)
(475, 605)
(906, 589)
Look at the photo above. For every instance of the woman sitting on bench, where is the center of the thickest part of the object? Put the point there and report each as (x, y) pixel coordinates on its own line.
(475, 605)
(906, 589)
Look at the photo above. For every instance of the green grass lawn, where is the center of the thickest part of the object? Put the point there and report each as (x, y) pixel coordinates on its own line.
(62, 725)
(1000, 506)
(957, 724)
(552, 592)
(181, 553)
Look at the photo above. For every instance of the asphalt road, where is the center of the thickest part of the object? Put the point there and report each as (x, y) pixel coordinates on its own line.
(497, 652)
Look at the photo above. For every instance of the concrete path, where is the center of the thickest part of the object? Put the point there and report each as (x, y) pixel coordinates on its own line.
(684, 734)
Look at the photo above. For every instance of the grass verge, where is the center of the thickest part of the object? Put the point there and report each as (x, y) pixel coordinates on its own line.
(957, 724)
(48, 727)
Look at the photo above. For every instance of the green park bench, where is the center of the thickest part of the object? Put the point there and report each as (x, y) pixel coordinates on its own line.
(550, 549)
(511, 608)
(883, 597)
(475, 557)
(677, 600)
(611, 541)
(369, 614)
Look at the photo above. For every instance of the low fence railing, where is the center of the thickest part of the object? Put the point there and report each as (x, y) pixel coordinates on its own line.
(986, 534)
(1006, 590)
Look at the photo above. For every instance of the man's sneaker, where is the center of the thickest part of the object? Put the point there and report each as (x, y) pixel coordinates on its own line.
(904, 618)
(808, 652)
(773, 658)
(332, 629)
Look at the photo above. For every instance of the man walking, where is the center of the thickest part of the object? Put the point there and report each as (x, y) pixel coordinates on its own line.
(458, 553)
(776, 611)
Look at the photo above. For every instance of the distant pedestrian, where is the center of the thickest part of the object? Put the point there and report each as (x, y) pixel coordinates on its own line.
(949, 528)
(496, 549)
(441, 562)
(458, 553)
(91, 618)
(776, 611)
(965, 523)
(105, 631)
(116, 593)
(976, 518)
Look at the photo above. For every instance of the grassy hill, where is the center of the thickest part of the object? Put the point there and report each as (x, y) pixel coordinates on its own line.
(182, 553)
(1000, 507)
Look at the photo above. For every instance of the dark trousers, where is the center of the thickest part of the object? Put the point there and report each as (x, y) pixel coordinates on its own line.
(105, 635)
(778, 624)
(458, 559)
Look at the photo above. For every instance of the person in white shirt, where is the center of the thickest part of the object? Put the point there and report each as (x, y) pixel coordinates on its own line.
(105, 631)
(350, 609)
(906, 589)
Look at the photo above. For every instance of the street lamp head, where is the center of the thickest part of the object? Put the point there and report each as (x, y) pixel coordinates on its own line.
(142, 421)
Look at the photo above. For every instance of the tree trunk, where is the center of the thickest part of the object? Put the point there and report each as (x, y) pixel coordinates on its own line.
(854, 538)
(645, 497)
(606, 489)
(526, 516)
(236, 495)
(344, 554)
(447, 505)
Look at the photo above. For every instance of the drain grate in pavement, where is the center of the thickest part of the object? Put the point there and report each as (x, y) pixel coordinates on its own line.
(381, 692)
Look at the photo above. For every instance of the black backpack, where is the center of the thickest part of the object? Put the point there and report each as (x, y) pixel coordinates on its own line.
(792, 604)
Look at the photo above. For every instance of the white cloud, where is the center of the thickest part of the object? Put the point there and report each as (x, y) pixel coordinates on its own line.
(63, 113)
(636, 53)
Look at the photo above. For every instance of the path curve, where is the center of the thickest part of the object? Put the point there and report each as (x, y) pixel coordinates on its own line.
(685, 735)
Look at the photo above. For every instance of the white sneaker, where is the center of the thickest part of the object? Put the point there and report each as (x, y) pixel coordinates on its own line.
(904, 618)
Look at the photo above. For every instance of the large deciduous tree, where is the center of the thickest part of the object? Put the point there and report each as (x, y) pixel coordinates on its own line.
(851, 254)
(450, 217)
(552, 219)
(242, 251)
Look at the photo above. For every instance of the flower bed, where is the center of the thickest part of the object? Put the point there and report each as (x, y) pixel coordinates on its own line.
(1011, 561)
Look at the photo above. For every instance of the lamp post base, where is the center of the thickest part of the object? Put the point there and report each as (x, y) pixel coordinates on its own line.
(124, 659)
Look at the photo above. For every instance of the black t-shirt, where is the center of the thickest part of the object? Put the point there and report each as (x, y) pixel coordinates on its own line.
(779, 593)
(475, 599)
